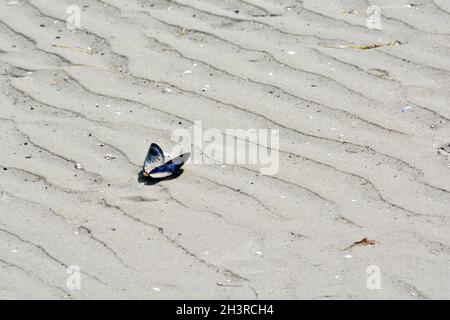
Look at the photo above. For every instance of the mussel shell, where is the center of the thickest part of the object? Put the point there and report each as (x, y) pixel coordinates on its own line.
(154, 159)
(170, 167)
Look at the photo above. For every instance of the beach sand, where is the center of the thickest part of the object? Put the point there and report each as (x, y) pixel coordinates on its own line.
(362, 114)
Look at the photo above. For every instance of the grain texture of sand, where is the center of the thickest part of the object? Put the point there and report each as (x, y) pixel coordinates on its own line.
(364, 122)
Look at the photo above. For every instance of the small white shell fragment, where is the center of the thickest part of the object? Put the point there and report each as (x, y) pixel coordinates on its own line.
(291, 52)
(156, 289)
(406, 109)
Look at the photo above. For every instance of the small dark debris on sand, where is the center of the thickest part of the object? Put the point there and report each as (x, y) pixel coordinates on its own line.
(363, 242)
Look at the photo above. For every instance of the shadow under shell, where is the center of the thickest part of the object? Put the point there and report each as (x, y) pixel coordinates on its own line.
(149, 181)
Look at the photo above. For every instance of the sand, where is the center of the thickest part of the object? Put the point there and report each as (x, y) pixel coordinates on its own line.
(360, 133)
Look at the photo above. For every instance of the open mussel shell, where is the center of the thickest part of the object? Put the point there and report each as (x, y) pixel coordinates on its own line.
(170, 167)
(155, 158)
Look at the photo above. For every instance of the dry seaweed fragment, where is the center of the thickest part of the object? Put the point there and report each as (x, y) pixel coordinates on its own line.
(266, 15)
(362, 47)
(221, 284)
(181, 33)
(380, 73)
(363, 242)
(87, 50)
